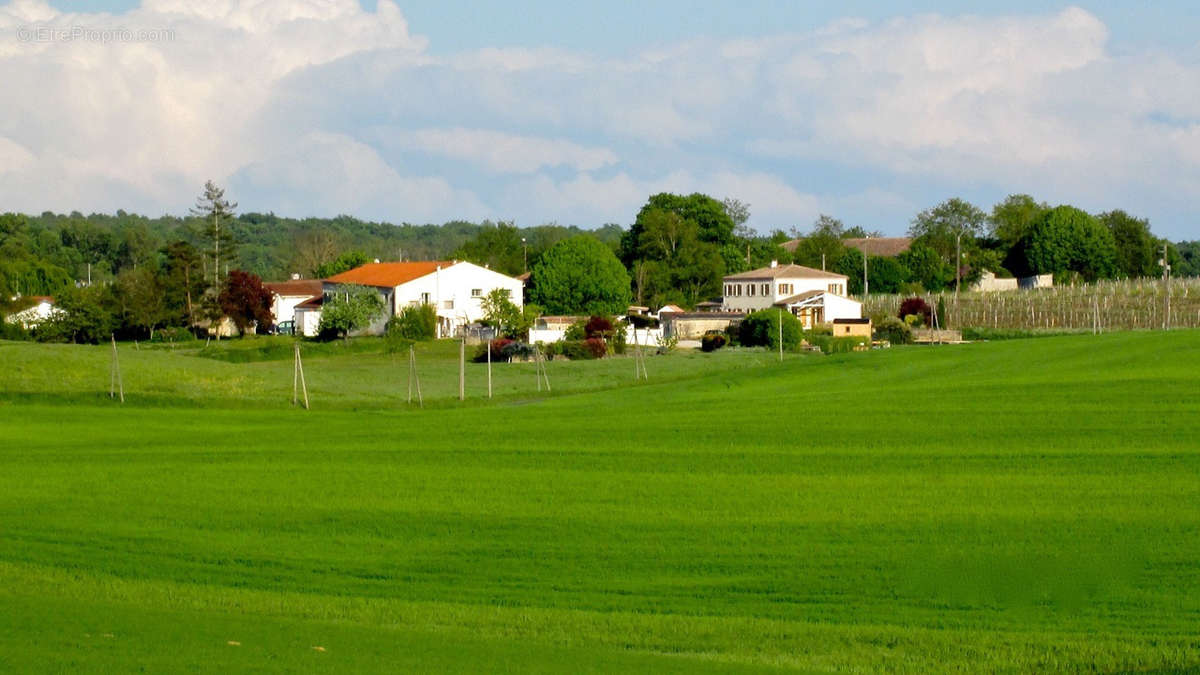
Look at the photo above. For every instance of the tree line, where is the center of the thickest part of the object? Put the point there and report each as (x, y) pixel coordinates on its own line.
(150, 273)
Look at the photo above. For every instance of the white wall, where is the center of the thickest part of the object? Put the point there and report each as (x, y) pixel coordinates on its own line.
(451, 291)
(30, 318)
(838, 307)
(737, 296)
(283, 307)
(307, 322)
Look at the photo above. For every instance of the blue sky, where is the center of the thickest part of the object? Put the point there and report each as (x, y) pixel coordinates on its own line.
(542, 111)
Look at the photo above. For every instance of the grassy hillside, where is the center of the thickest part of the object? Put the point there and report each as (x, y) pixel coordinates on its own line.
(1017, 506)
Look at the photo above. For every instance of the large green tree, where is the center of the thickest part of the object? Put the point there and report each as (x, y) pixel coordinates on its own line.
(713, 224)
(1137, 250)
(1011, 219)
(580, 275)
(1066, 240)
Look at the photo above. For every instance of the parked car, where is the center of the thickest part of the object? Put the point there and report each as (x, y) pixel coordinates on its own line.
(285, 328)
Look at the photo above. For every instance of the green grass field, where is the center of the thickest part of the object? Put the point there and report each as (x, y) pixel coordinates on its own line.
(1026, 506)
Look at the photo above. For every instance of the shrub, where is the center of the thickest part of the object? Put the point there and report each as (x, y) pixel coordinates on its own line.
(575, 350)
(598, 326)
(517, 349)
(639, 321)
(497, 346)
(711, 342)
(618, 340)
(917, 307)
(597, 346)
(12, 331)
(414, 323)
(762, 328)
(576, 331)
(894, 331)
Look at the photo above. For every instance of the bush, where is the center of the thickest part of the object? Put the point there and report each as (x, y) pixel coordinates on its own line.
(894, 331)
(919, 308)
(711, 342)
(597, 346)
(576, 331)
(414, 323)
(497, 346)
(598, 326)
(639, 321)
(762, 328)
(12, 331)
(576, 350)
(618, 340)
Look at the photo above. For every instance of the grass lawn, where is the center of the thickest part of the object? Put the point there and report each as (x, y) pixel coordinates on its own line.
(1028, 505)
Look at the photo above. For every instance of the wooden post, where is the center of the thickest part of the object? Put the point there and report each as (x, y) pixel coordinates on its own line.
(413, 377)
(489, 367)
(462, 369)
(300, 373)
(115, 385)
(781, 335)
(295, 372)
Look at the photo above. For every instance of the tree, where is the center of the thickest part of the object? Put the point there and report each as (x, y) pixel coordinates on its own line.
(943, 228)
(926, 267)
(500, 247)
(183, 285)
(349, 308)
(139, 294)
(216, 214)
(84, 316)
(823, 245)
(1137, 250)
(1065, 240)
(245, 301)
(886, 275)
(851, 264)
(312, 248)
(1012, 218)
(738, 212)
(510, 321)
(580, 275)
(712, 223)
(346, 261)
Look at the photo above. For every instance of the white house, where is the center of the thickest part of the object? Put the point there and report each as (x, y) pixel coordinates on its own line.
(814, 296)
(455, 289)
(29, 318)
(286, 295)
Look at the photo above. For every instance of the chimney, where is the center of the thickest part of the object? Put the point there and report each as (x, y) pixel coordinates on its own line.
(774, 263)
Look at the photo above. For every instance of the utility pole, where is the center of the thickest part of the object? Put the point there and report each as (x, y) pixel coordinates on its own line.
(525, 254)
(1166, 278)
(866, 288)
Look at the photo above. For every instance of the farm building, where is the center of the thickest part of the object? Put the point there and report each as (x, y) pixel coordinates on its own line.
(990, 283)
(785, 285)
(286, 295)
(852, 328)
(307, 316)
(455, 289)
(817, 307)
(693, 325)
(42, 309)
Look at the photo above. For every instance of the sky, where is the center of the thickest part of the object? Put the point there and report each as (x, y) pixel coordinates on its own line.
(537, 111)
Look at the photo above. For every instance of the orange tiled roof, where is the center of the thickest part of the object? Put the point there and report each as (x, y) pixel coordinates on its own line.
(389, 273)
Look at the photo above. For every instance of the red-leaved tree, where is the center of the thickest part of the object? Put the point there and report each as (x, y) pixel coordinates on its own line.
(919, 307)
(245, 300)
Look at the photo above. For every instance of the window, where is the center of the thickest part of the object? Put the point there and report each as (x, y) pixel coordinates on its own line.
(766, 289)
(448, 304)
(837, 289)
(750, 289)
(424, 298)
(476, 292)
(785, 289)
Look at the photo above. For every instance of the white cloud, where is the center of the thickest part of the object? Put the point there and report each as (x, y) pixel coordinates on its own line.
(502, 152)
(267, 90)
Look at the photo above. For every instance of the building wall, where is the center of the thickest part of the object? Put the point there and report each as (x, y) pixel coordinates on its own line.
(852, 330)
(694, 328)
(838, 307)
(283, 307)
(767, 292)
(457, 293)
(307, 321)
